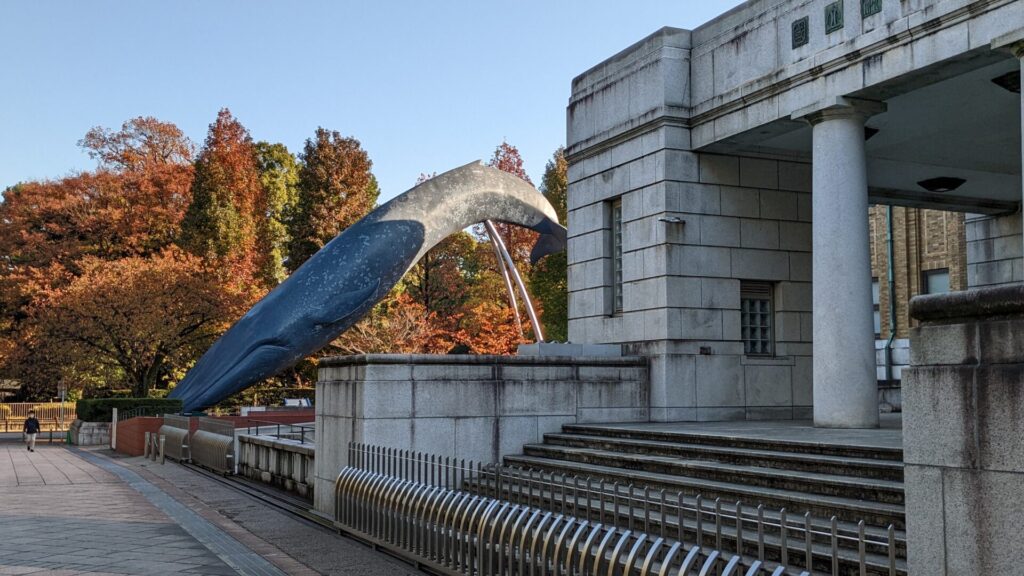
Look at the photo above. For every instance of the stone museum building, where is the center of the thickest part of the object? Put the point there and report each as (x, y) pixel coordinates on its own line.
(719, 189)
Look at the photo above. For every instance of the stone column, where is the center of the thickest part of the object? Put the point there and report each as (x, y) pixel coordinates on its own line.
(963, 433)
(845, 385)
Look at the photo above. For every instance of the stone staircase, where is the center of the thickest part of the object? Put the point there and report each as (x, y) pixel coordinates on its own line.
(848, 481)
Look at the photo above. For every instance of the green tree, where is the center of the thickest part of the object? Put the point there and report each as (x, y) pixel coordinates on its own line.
(335, 190)
(279, 175)
(548, 279)
(227, 198)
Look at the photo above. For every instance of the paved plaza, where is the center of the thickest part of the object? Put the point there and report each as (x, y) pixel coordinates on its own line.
(70, 511)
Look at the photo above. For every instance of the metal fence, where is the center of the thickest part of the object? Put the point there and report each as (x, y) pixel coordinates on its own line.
(820, 545)
(139, 411)
(212, 445)
(52, 416)
(301, 432)
(458, 532)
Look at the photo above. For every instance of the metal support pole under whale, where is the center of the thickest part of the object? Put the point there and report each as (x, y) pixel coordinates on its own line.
(344, 280)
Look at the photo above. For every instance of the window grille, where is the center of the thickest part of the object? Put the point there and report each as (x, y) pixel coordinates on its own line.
(756, 318)
(616, 217)
(875, 304)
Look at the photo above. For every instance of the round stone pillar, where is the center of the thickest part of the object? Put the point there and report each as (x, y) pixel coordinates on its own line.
(845, 381)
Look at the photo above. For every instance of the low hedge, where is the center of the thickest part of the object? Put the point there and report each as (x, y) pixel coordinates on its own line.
(101, 409)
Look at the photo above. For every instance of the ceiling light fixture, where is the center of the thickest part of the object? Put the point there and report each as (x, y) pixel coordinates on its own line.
(941, 184)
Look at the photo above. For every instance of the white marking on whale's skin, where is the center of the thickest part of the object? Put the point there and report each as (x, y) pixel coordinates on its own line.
(352, 272)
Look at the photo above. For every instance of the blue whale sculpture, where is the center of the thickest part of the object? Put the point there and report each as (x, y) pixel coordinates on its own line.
(341, 283)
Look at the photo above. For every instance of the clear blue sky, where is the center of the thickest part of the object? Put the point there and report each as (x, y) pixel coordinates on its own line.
(424, 85)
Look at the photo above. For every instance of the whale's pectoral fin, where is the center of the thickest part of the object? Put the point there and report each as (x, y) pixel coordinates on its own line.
(552, 240)
(341, 306)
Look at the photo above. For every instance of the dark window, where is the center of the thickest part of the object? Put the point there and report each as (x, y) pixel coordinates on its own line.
(756, 318)
(616, 225)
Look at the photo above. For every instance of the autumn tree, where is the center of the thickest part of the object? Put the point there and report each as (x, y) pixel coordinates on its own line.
(548, 279)
(141, 144)
(131, 206)
(397, 324)
(335, 190)
(519, 240)
(141, 320)
(279, 175)
(227, 199)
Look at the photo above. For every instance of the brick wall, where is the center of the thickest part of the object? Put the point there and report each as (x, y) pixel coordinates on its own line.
(131, 433)
(922, 240)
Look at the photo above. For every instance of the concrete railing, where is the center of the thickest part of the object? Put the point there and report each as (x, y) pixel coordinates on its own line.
(285, 463)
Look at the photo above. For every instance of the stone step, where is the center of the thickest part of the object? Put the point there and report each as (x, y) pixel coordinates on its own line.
(797, 461)
(796, 502)
(718, 438)
(826, 484)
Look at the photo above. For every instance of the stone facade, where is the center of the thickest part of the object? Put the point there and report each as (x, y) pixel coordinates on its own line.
(962, 431)
(994, 250)
(472, 407)
(89, 433)
(696, 148)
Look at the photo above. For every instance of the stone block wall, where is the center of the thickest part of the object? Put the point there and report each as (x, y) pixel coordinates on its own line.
(962, 431)
(475, 407)
(287, 464)
(89, 433)
(994, 250)
(695, 225)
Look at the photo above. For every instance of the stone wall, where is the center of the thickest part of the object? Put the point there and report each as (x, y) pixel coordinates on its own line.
(284, 463)
(694, 226)
(90, 433)
(994, 250)
(962, 428)
(473, 407)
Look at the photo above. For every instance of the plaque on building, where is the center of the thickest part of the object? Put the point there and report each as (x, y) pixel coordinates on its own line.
(801, 31)
(833, 17)
(870, 7)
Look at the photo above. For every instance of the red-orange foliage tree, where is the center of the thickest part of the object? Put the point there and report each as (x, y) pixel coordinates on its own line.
(130, 207)
(519, 240)
(398, 324)
(140, 321)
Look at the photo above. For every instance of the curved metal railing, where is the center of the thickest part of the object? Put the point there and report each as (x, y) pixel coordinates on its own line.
(457, 532)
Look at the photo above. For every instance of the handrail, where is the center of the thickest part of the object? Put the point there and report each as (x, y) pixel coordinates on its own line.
(303, 428)
(736, 527)
(456, 532)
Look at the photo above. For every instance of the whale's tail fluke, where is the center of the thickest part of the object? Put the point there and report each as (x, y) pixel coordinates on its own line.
(552, 240)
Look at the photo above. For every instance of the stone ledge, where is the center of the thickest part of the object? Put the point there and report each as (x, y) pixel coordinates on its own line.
(481, 359)
(977, 303)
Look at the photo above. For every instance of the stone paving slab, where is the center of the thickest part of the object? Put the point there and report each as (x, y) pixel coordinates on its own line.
(88, 511)
(61, 514)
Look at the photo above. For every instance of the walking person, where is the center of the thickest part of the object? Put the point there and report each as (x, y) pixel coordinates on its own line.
(30, 429)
